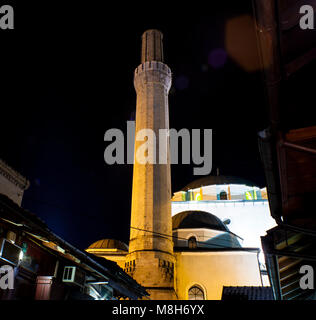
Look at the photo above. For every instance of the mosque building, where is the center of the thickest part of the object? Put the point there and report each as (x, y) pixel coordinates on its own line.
(181, 247)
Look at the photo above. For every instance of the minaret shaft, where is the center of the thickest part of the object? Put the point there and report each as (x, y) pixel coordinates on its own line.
(151, 207)
(151, 246)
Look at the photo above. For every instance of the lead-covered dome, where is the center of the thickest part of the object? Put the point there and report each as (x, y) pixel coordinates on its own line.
(197, 219)
(109, 244)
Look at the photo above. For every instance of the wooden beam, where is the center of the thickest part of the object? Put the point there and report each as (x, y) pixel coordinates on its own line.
(289, 241)
(301, 134)
(297, 147)
(300, 62)
(269, 52)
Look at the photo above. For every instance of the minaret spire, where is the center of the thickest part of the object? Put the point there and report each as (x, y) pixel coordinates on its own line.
(150, 260)
(152, 48)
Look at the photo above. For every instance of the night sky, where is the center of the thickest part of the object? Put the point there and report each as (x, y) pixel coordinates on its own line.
(67, 77)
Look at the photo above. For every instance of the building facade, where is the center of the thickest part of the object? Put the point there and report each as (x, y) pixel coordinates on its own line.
(237, 202)
(174, 252)
(12, 183)
(36, 264)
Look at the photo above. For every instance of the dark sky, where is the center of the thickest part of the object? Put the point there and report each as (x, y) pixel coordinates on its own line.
(67, 76)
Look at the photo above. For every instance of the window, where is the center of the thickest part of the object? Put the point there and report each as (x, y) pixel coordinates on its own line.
(192, 243)
(196, 293)
(223, 195)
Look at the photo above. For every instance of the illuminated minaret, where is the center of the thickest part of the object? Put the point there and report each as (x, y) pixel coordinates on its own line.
(150, 260)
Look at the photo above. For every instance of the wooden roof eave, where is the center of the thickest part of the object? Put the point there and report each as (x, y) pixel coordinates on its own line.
(269, 159)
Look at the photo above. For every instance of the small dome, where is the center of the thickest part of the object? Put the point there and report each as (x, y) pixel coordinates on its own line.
(109, 244)
(197, 219)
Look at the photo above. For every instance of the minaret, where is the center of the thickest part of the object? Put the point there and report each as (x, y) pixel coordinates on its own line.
(150, 260)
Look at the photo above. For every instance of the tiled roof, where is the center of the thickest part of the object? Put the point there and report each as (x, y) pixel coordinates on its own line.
(247, 293)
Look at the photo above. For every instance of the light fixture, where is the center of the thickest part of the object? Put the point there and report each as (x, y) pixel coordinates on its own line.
(21, 255)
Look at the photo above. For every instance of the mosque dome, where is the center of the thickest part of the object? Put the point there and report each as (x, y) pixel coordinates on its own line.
(217, 180)
(197, 219)
(109, 244)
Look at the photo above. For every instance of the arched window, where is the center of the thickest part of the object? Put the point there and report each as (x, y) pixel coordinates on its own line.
(223, 195)
(192, 243)
(196, 293)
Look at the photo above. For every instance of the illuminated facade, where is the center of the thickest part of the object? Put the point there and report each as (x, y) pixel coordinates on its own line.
(236, 202)
(229, 198)
(191, 254)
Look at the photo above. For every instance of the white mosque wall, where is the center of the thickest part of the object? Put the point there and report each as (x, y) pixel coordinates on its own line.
(249, 219)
